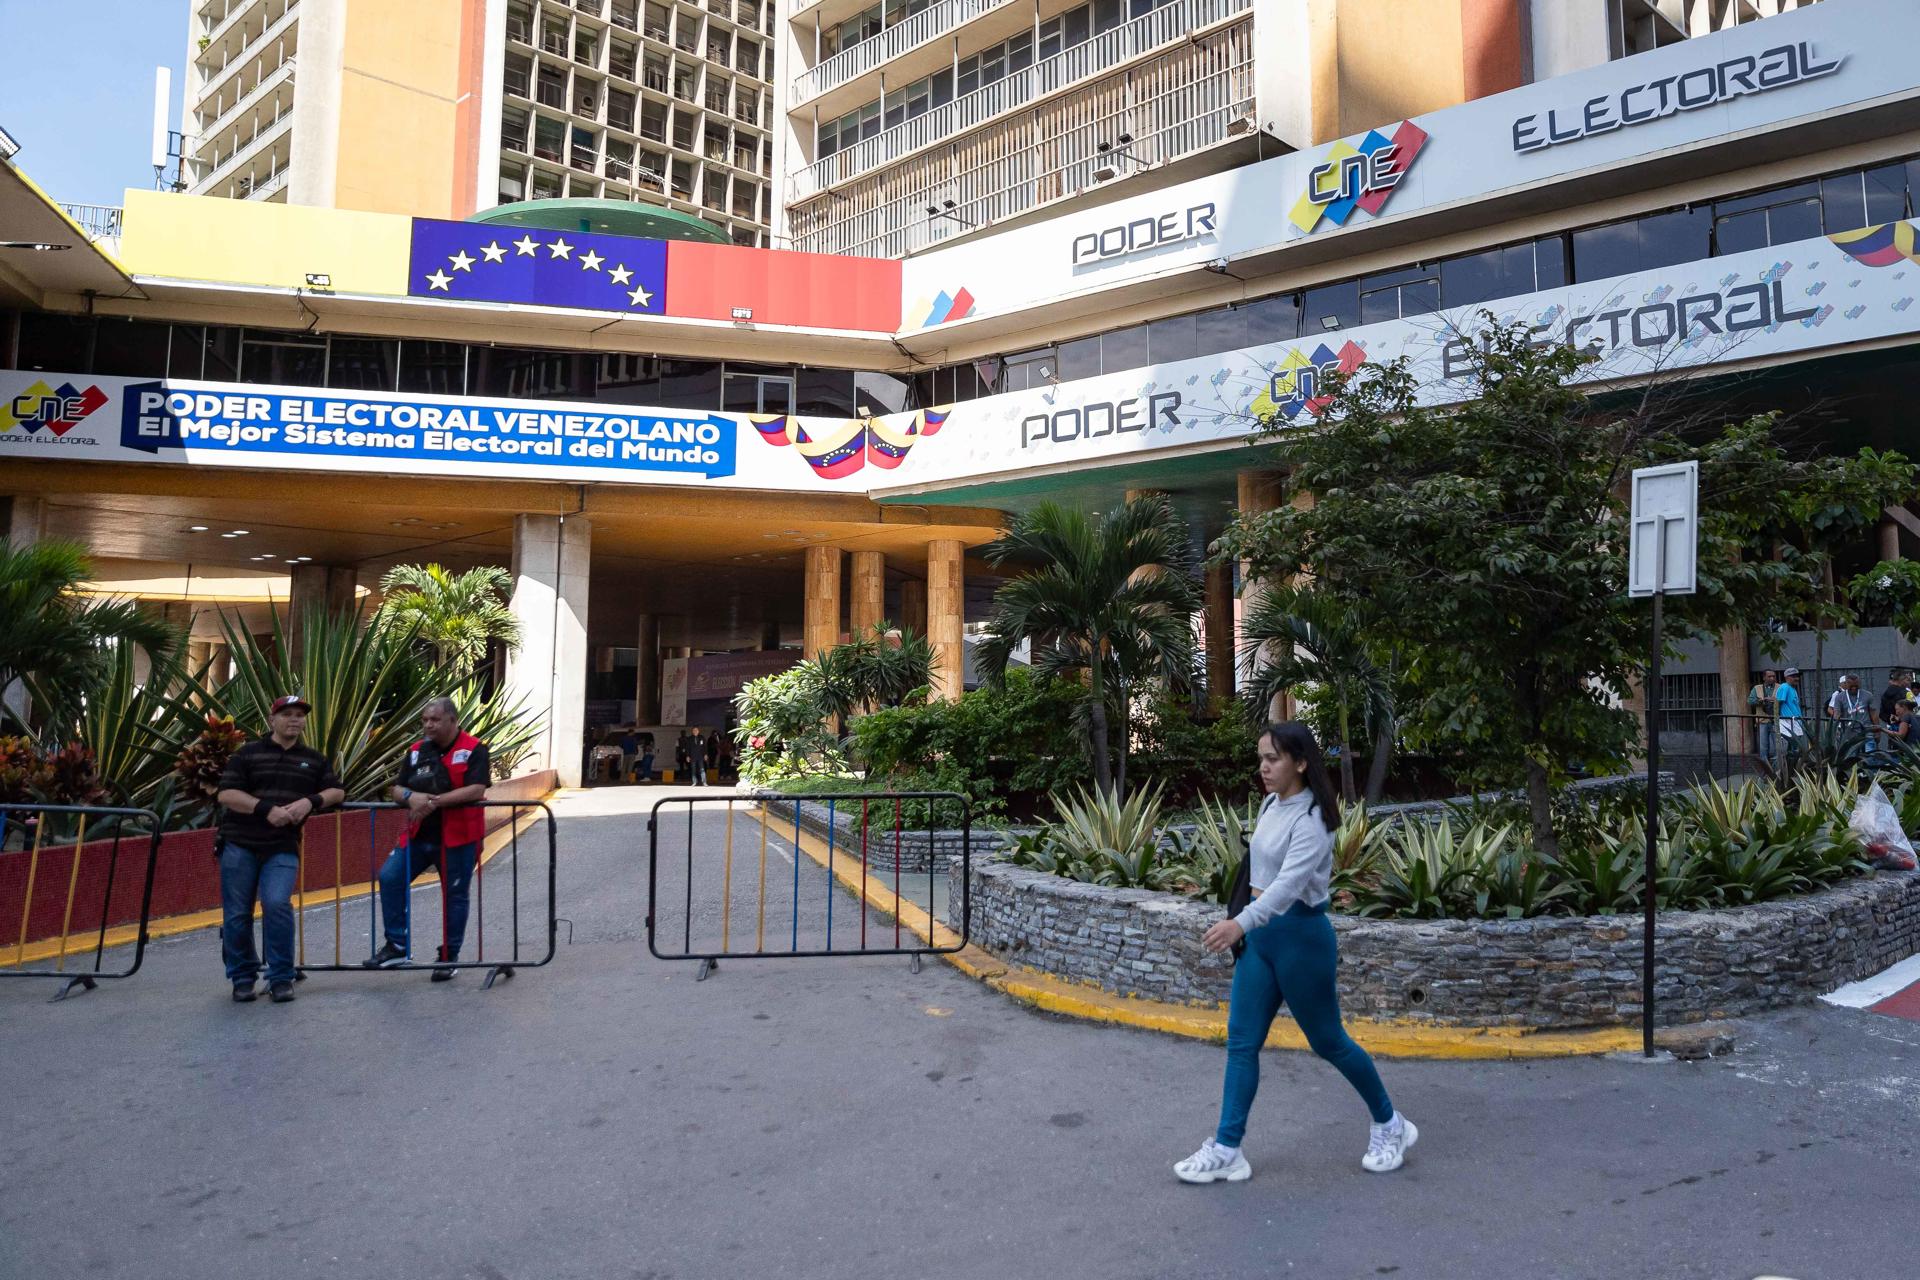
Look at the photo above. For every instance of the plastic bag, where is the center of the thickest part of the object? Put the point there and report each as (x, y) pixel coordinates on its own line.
(1877, 823)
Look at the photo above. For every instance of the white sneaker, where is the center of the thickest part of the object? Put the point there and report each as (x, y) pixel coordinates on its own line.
(1388, 1145)
(1212, 1163)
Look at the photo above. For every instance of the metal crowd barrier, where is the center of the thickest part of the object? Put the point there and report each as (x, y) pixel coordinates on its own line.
(1822, 743)
(394, 836)
(714, 864)
(52, 849)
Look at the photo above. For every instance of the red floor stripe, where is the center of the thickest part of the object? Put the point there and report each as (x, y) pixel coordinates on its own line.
(1901, 1004)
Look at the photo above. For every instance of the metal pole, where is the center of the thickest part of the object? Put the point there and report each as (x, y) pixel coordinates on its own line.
(1649, 889)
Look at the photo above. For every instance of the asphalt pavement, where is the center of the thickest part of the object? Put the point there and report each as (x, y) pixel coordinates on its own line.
(609, 1116)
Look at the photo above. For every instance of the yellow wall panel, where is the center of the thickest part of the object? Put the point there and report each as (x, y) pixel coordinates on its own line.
(399, 102)
(254, 242)
(1391, 59)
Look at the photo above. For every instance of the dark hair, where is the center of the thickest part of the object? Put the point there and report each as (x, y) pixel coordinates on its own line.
(1291, 738)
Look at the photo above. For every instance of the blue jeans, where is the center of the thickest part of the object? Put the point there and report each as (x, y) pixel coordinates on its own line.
(1291, 957)
(455, 866)
(243, 875)
(1766, 735)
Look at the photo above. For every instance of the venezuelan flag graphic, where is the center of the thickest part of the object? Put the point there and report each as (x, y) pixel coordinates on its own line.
(1880, 246)
(776, 430)
(836, 455)
(887, 445)
(931, 420)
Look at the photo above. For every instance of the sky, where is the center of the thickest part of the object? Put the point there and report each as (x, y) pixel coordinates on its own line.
(78, 92)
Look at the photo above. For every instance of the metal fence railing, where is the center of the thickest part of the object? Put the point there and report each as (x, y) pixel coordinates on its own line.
(66, 889)
(717, 889)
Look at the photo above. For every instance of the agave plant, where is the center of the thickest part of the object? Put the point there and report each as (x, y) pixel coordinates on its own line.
(1603, 875)
(1358, 845)
(1431, 871)
(1219, 844)
(364, 683)
(137, 729)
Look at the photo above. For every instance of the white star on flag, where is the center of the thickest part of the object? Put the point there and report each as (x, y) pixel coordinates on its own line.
(640, 297)
(462, 261)
(526, 245)
(440, 280)
(560, 249)
(493, 252)
(590, 261)
(620, 274)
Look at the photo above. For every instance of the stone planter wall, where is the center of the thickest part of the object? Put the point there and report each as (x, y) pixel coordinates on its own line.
(1551, 972)
(919, 850)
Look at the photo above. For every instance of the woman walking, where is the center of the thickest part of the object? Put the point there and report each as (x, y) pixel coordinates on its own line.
(1289, 954)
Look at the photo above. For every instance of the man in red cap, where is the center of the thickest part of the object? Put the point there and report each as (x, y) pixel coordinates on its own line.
(270, 788)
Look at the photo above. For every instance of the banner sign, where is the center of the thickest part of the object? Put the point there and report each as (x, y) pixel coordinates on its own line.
(1852, 287)
(1816, 61)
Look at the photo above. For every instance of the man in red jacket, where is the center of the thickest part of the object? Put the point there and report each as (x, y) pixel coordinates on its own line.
(440, 777)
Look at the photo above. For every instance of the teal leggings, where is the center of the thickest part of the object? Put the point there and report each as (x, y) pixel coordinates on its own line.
(1291, 957)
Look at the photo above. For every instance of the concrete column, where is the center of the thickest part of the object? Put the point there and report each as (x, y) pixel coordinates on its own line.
(867, 596)
(1736, 677)
(821, 628)
(1219, 636)
(946, 616)
(25, 520)
(1889, 540)
(646, 677)
(551, 557)
(770, 634)
(219, 663)
(1259, 492)
(913, 606)
(316, 589)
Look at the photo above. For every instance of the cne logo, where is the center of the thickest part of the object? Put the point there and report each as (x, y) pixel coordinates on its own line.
(1357, 177)
(57, 411)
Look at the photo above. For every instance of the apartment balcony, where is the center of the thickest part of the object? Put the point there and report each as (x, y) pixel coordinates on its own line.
(250, 169)
(1100, 56)
(268, 87)
(217, 62)
(930, 23)
(1182, 101)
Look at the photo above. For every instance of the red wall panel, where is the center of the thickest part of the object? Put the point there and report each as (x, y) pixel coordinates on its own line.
(817, 290)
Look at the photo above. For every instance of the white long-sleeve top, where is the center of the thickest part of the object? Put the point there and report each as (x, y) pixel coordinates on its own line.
(1292, 853)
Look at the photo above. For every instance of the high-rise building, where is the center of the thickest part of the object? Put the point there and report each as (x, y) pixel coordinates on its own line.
(913, 122)
(443, 107)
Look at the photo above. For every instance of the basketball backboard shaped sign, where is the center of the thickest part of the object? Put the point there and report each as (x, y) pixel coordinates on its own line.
(1666, 530)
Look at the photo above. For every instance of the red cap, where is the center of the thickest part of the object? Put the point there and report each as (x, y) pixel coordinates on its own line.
(289, 700)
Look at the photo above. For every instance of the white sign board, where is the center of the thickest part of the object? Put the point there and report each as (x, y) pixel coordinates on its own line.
(673, 691)
(1666, 530)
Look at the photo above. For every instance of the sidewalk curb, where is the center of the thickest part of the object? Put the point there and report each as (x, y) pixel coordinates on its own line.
(1093, 1004)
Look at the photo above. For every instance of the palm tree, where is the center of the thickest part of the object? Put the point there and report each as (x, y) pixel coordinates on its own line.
(1299, 635)
(53, 640)
(452, 615)
(1112, 598)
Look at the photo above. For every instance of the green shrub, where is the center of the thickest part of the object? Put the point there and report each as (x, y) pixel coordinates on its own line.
(1007, 748)
(1191, 758)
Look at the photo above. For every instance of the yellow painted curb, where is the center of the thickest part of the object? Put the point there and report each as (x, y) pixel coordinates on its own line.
(1093, 1004)
(171, 926)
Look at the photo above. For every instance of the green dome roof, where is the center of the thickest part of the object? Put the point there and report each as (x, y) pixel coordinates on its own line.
(609, 217)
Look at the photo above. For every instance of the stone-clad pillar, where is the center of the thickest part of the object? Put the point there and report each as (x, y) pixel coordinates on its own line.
(821, 622)
(946, 616)
(867, 599)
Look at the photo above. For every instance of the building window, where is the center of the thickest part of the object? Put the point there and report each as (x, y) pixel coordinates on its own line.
(549, 136)
(1330, 307)
(1780, 216)
(432, 367)
(1396, 295)
(130, 348)
(362, 364)
(283, 359)
(1642, 244)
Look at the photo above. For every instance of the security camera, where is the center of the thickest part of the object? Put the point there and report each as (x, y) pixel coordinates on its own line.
(1217, 265)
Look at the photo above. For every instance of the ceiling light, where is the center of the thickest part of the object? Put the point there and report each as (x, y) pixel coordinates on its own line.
(229, 535)
(304, 559)
(196, 528)
(240, 533)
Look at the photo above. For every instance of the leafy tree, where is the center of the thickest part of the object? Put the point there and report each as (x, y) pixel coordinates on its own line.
(53, 639)
(453, 615)
(1486, 543)
(1109, 598)
(1306, 635)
